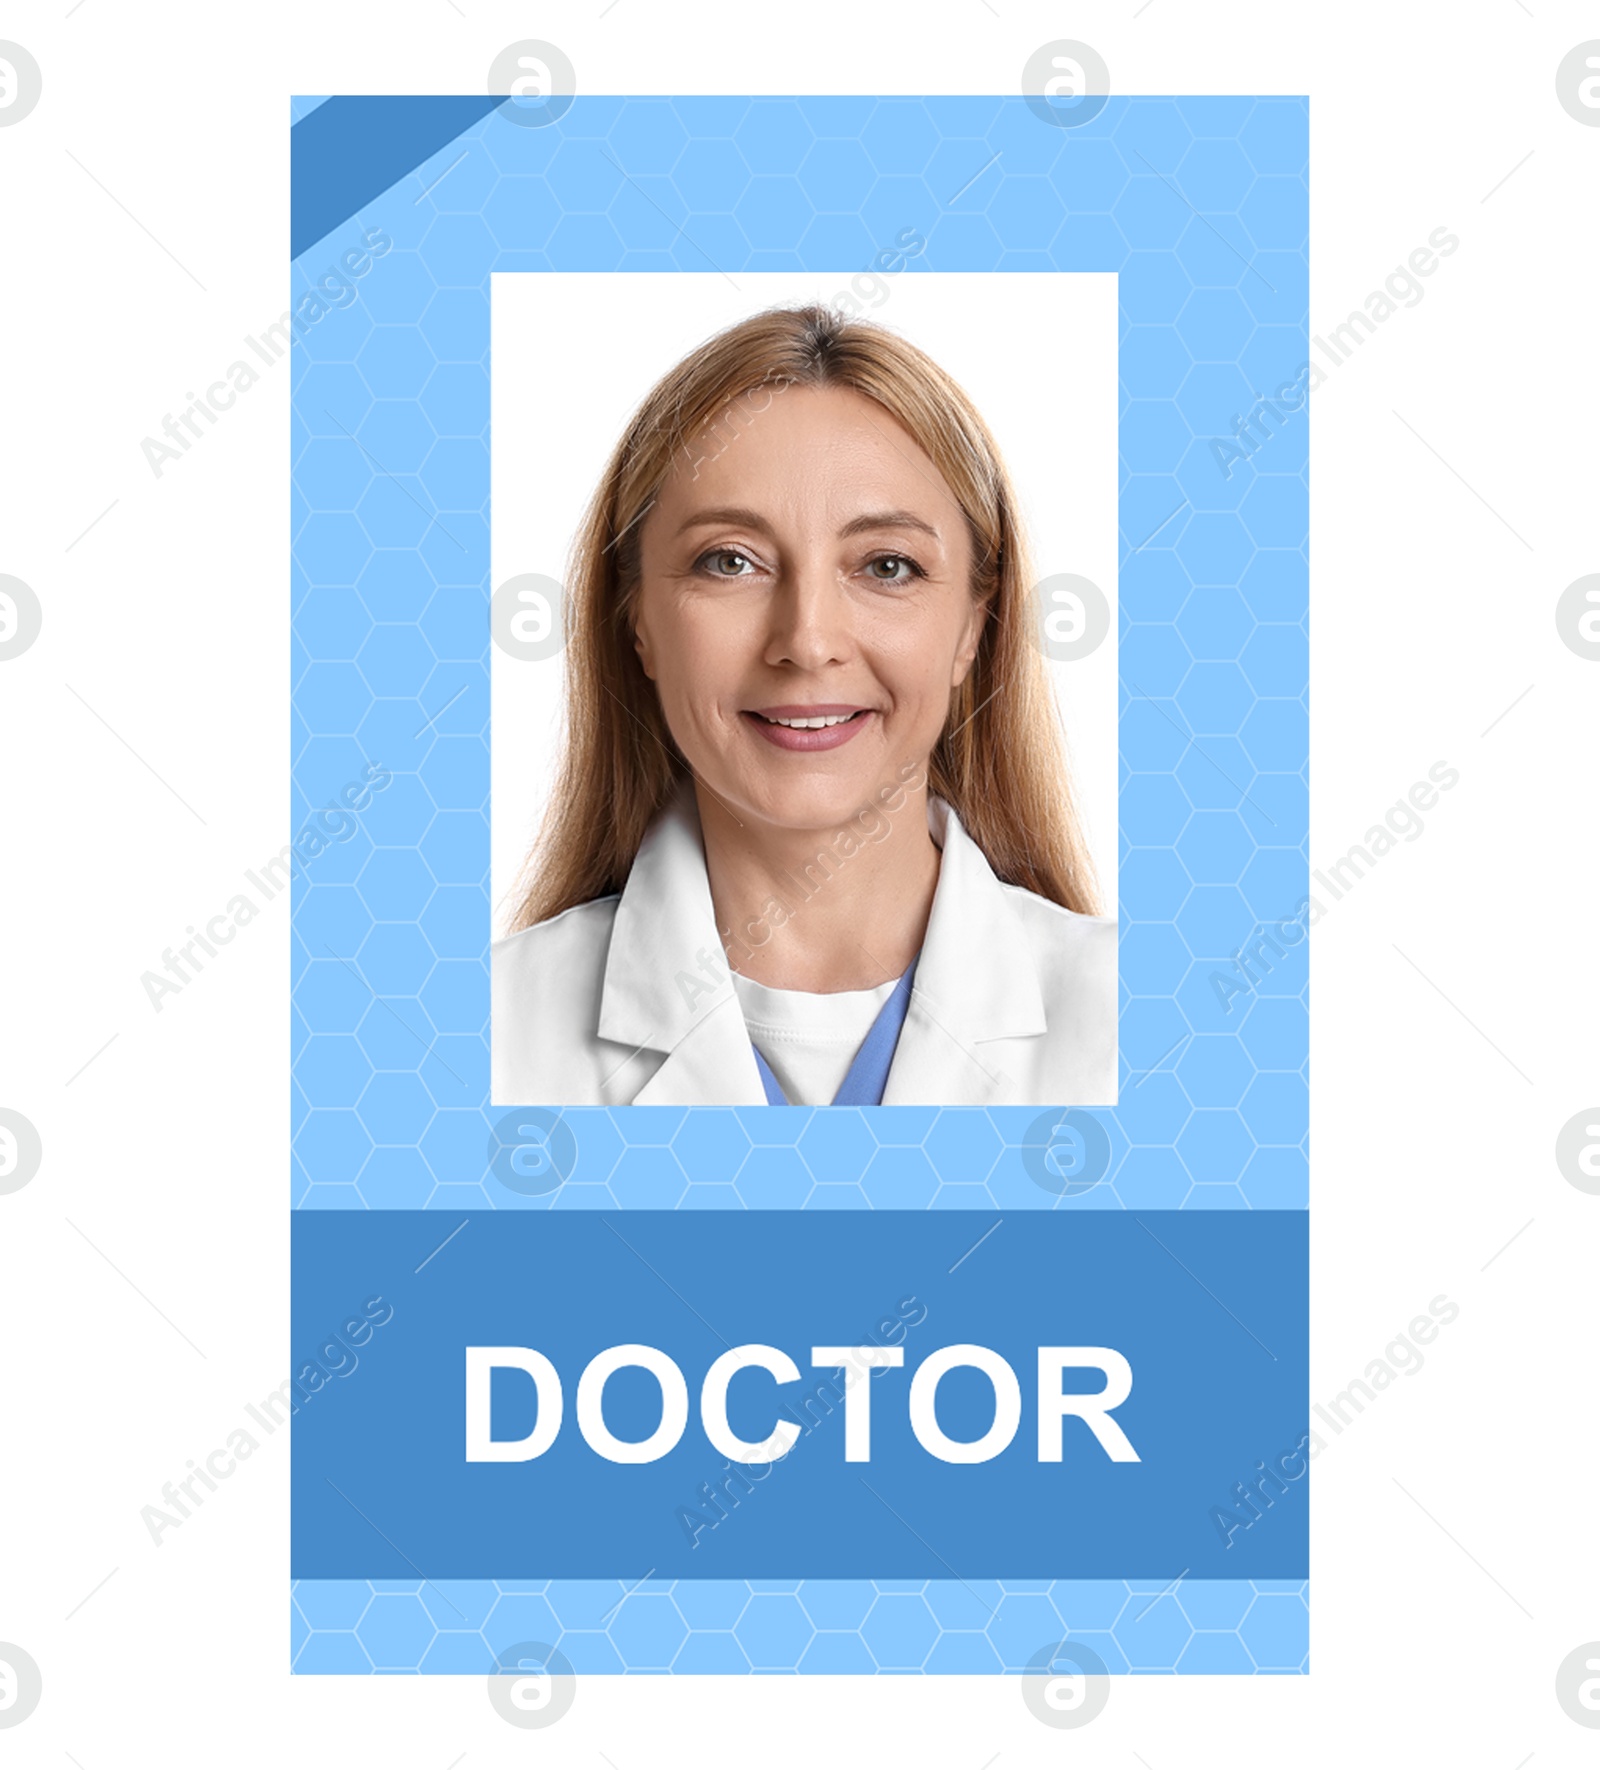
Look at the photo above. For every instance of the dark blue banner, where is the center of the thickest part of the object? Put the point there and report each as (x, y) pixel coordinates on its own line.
(963, 1439)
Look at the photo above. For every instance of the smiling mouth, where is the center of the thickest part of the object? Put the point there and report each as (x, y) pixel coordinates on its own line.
(804, 729)
(811, 722)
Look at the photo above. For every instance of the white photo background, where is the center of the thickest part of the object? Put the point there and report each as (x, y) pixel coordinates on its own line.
(573, 354)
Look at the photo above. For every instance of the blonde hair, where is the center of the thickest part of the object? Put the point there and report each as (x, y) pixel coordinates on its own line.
(999, 762)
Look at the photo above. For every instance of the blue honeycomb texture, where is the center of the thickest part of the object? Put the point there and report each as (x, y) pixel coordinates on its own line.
(803, 1626)
(1200, 205)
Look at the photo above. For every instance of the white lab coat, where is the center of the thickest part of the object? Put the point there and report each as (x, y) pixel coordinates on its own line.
(627, 1000)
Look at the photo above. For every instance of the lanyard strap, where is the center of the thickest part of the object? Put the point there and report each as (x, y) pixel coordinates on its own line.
(868, 1074)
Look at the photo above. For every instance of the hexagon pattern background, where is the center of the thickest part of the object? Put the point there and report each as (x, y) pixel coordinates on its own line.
(811, 1626)
(1201, 207)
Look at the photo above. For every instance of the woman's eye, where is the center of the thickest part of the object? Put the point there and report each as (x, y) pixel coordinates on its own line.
(893, 576)
(717, 560)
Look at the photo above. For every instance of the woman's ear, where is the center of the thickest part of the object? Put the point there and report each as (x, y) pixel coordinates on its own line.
(967, 651)
(642, 646)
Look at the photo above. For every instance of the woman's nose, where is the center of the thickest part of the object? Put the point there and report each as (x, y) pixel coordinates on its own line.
(811, 617)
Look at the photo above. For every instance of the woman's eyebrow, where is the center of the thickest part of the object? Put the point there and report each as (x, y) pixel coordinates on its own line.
(887, 519)
(725, 513)
(876, 519)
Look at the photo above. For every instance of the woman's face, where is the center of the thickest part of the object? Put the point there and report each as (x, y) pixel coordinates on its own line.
(804, 607)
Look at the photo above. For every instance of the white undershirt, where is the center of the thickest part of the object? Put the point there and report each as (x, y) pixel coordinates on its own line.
(809, 1041)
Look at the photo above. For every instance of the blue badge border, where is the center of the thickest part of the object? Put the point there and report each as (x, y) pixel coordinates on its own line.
(1201, 207)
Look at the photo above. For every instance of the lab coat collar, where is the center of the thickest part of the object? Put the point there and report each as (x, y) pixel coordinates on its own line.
(667, 987)
(976, 981)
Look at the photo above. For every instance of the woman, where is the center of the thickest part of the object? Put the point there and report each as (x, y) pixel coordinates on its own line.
(812, 840)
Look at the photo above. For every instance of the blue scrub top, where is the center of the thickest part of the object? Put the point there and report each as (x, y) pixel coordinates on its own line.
(869, 1070)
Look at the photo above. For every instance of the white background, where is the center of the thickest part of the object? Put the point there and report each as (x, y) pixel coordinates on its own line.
(1430, 619)
(988, 332)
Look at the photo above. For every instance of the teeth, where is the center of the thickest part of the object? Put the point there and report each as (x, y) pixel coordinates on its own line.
(812, 724)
